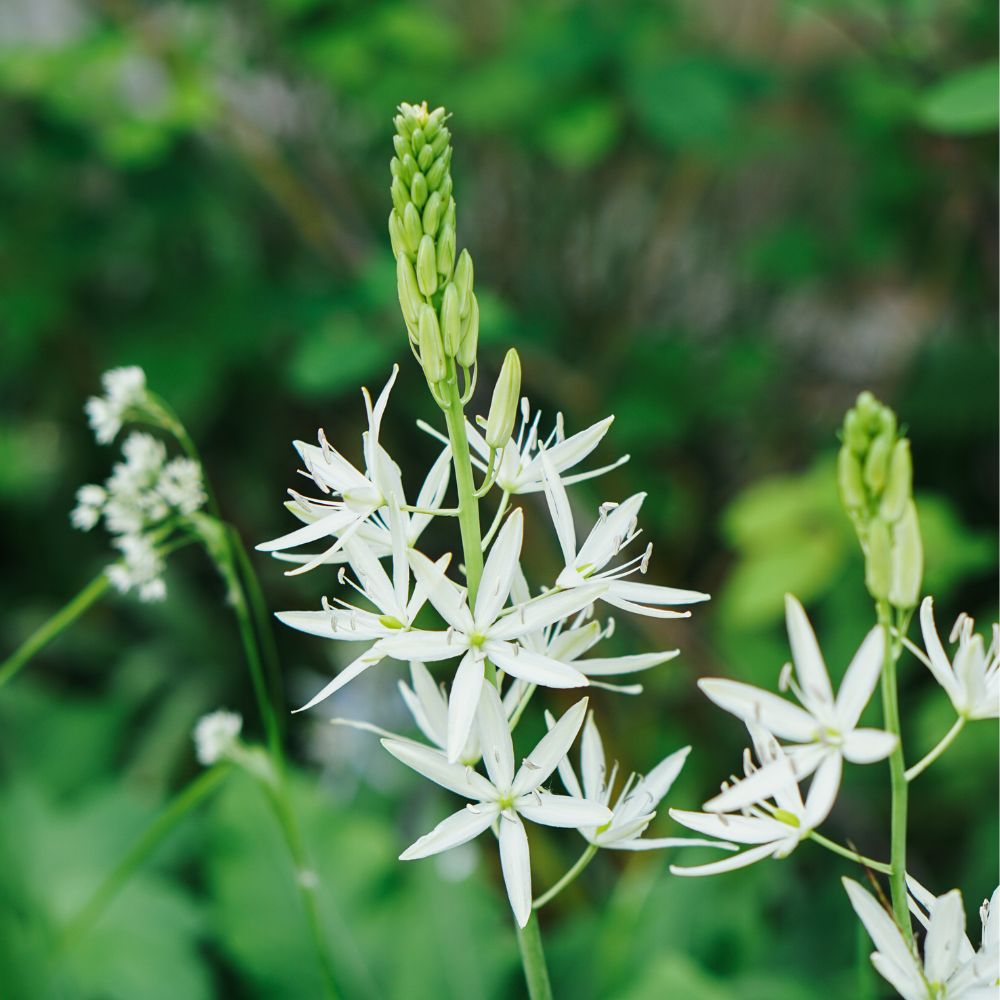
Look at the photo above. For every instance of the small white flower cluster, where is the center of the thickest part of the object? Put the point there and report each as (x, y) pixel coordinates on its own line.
(124, 390)
(215, 736)
(144, 491)
(506, 637)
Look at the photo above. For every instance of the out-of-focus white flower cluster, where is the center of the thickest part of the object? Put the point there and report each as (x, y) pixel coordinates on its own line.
(215, 736)
(145, 492)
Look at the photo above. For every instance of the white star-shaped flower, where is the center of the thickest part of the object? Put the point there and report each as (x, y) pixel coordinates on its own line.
(824, 725)
(486, 630)
(951, 968)
(504, 798)
(772, 822)
(972, 679)
(615, 529)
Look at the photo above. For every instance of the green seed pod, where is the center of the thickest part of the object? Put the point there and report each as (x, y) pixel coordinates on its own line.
(400, 194)
(849, 479)
(877, 463)
(878, 560)
(431, 348)
(440, 142)
(427, 267)
(469, 346)
(418, 189)
(451, 320)
(503, 407)
(446, 251)
(417, 138)
(409, 169)
(899, 484)
(410, 299)
(438, 170)
(396, 237)
(432, 213)
(907, 560)
(463, 279)
(425, 157)
(412, 228)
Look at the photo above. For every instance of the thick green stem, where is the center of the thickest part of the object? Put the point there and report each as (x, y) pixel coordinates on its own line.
(897, 773)
(570, 876)
(536, 974)
(60, 621)
(183, 803)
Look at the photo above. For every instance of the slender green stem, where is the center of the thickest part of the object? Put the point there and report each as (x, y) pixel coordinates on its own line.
(570, 876)
(529, 940)
(897, 773)
(946, 741)
(189, 797)
(846, 852)
(48, 631)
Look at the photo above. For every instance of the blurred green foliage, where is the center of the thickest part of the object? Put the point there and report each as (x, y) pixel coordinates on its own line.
(718, 221)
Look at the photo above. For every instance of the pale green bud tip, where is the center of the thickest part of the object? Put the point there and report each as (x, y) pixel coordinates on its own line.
(503, 408)
(907, 560)
(899, 483)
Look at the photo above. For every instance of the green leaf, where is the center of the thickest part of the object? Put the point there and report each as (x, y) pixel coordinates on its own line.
(964, 104)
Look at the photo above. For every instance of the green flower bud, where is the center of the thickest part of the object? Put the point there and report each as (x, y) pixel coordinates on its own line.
(434, 122)
(446, 251)
(878, 560)
(410, 299)
(449, 213)
(899, 484)
(849, 479)
(451, 320)
(431, 348)
(446, 188)
(469, 346)
(438, 169)
(463, 279)
(418, 189)
(427, 267)
(395, 167)
(409, 169)
(432, 214)
(404, 122)
(887, 422)
(400, 194)
(503, 407)
(396, 237)
(868, 407)
(877, 463)
(401, 146)
(907, 560)
(440, 141)
(417, 138)
(425, 157)
(413, 230)
(855, 435)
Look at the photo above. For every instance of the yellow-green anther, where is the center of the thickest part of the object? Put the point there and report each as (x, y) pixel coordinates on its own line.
(877, 463)
(431, 348)
(431, 218)
(410, 299)
(899, 484)
(390, 621)
(409, 168)
(418, 189)
(506, 397)
(878, 560)
(467, 349)
(396, 237)
(400, 194)
(789, 818)
(446, 251)
(463, 280)
(427, 277)
(907, 560)
(849, 479)
(451, 320)
(413, 229)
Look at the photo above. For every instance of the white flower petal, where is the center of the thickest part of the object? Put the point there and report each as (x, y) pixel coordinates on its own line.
(543, 611)
(415, 644)
(434, 764)
(938, 661)
(607, 666)
(559, 509)
(498, 572)
(659, 781)
(609, 535)
(823, 791)
(459, 828)
(572, 643)
(865, 746)
(942, 948)
(659, 843)
(611, 596)
(446, 596)
(882, 930)
(651, 593)
(432, 701)
(463, 703)
(809, 666)
(516, 864)
(354, 669)
(551, 749)
(530, 666)
(325, 527)
(593, 764)
(562, 810)
(569, 452)
(859, 682)
(752, 704)
(494, 738)
(742, 829)
(741, 860)
(907, 983)
(766, 782)
(566, 772)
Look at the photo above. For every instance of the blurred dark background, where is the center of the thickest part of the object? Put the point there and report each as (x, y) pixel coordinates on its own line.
(717, 220)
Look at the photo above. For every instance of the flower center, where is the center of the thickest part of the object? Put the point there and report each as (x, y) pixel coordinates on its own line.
(389, 621)
(786, 817)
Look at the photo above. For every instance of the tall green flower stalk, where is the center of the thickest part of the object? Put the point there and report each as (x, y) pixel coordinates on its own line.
(441, 313)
